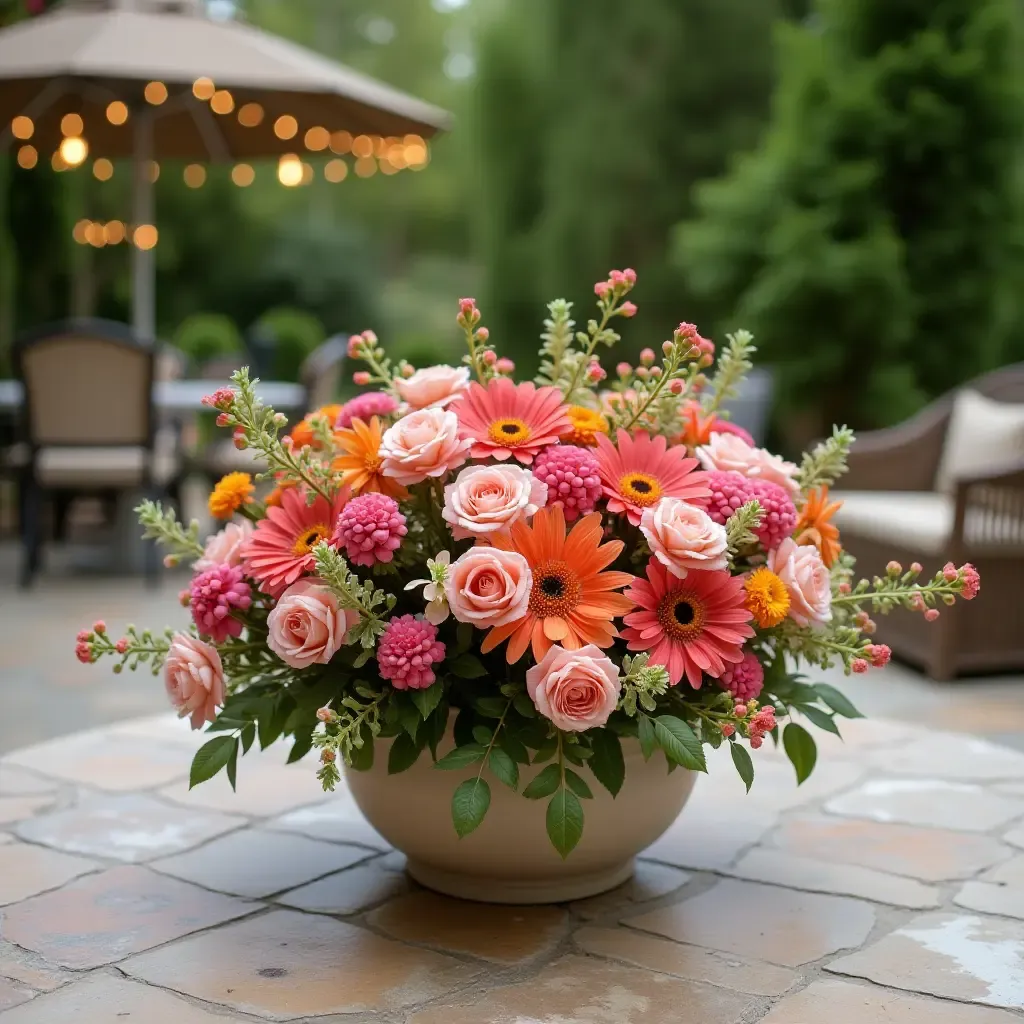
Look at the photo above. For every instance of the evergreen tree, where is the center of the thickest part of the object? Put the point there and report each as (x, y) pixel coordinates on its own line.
(872, 241)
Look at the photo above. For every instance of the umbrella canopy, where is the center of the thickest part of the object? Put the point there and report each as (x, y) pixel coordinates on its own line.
(157, 79)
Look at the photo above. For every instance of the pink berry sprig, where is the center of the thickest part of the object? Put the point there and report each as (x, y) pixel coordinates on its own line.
(899, 589)
(366, 347)
(481, 357)
(131, 650)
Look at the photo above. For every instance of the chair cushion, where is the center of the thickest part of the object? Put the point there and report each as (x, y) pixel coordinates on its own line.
(920, 520)
(97, 468)
(983, 436)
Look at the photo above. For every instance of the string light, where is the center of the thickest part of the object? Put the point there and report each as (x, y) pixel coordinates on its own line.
(102, 169)
(286, 127)
(307, 174)
(153, 171)
(78, 233)
(203, 88)
(317, 138)
(95, 235)
(222, 102)
(195, 175)
(114, 232)
(72, 124)
(27, 157)
(415, 152)
(22, 127)
(155, 93)
(243, 175)
(362, 146)
(73, 150)
(341, 142)
(387, 167)
(145, 236)
(396, 156)
(380, 145)
(250, 115)
(289, 170)
(117, 112)
(336, 170)
(57, 162)
(366, 167)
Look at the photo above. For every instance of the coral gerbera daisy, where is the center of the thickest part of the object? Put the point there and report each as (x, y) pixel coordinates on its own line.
(697, 429)
(281, 547)
(229, 494)
(505, 419)
(643, 470)
(814, 525)
(767, 597)
(571, 600)
(691, 626)
(586, 424)
(360, 465)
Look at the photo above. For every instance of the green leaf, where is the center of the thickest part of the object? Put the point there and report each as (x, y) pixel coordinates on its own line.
(800, 749)
(565, 821)
(578, 785)
(409, 718)
(504, 768)
(645, 734)
(820, 718)
(210, 758)
(491, 707)
(428, 699)
(466, 666)
(248, 735)
(524, 705)
(436, 727)
(463, 729)
(482, 734)
(837, 701)
(362, 757)
(680, 743)
(461, 757)
(513, 746)
(403, 754)
(745, 767)
(233, 765)
(544, 784)
(301, 746)
(469, 805)
(607, 764)
(273, 715)
(464, 637)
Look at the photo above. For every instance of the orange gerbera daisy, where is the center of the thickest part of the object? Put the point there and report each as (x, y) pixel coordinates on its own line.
(570, 601)
(229, 494)
(302, 433)
(586, 425)
(814, 525)
(360, 465)
(767, 597)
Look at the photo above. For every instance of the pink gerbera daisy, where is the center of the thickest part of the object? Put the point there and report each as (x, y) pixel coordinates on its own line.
(505, 419)
(691, 626)
(643, 470)
(281, 547)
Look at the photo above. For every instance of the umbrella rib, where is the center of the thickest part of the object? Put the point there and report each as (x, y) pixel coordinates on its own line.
(213, 137)
(38, 105)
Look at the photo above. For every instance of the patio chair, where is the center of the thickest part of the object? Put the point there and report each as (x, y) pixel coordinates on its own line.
(88, 423)
(948, 485)
(320, 373)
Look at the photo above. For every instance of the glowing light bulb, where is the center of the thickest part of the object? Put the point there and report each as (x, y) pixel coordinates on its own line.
(117, 112)
(114, 232)
(341, 142)
(243, 175)
(317, 139)
(222, 102)
(145, 236)
(155, 93)
(362, 146)
(73, 150)
(194, 175)
(80, 232)
(22, 127)
(250, 115)
(366, 167)
(102, 169)
(286, 127)
(289, 170)
(72, 124)
(336, 170)
(203, 88)
(27, 157)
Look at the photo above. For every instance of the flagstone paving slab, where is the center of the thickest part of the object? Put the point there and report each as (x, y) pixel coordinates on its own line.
(28, 870)
(16, 781)
(16, 808)
(650, 882)
(11, 994)
(959, 758)
(992, 899)
(337, 819)
(348, 892)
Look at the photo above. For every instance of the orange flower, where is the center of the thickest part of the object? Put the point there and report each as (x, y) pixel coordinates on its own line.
(273, 499)
(302, 433)
(570, 601)
(586, 425)
(767, 597)
(360, 465)
(229, 494)
(814, 525)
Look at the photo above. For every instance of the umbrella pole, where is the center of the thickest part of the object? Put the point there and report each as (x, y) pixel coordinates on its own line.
(143, 260)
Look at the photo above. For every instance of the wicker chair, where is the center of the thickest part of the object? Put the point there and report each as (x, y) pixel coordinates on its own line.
(88, 423)
(907, 498)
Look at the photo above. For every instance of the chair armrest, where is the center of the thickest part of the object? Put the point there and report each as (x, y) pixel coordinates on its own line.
(1010, 474)
(989, 509)
(901, 458)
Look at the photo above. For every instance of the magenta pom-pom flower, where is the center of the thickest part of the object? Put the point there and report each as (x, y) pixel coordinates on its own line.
(744, 680)
(370, 529)
(214, 595)
(730, 490)
(407, 651)
(364, 407)
(573, 478)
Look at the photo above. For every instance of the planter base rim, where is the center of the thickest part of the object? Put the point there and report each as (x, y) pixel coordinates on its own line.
(482, 889)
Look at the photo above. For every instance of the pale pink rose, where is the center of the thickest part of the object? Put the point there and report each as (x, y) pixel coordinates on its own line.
(488, 499)
(489, 587)
(800, 567)
(432, 388)
(423, 444)
(683, 537)
(225, 547)
(306, 625)
(575, 690)
(730, 453)
(194, 679)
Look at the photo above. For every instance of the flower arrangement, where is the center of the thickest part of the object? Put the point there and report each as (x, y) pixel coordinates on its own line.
(515, 574)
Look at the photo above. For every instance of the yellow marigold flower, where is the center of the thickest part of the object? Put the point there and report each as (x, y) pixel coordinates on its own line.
(767, 597)
(230, 494)
(586, 425)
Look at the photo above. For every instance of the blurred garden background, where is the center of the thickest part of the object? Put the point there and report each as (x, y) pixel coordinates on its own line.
(842, 177)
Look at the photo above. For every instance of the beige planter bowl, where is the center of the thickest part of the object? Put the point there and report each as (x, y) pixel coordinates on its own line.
(509, 858)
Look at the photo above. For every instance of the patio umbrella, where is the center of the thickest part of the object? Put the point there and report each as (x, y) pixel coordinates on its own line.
(158, 79)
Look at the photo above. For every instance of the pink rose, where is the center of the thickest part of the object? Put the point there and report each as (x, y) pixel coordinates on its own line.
(800, 567)
(225, 547)
(423, 444)
(194, 678)
(730, 453)
(487, 499)
(489, 587)
(306, 626)
(434, 387)
(683, 537)
(575, 690)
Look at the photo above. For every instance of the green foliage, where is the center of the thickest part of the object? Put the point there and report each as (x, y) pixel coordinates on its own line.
(206, 336)
(875, 234)
(296, 334)
(469, 805)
